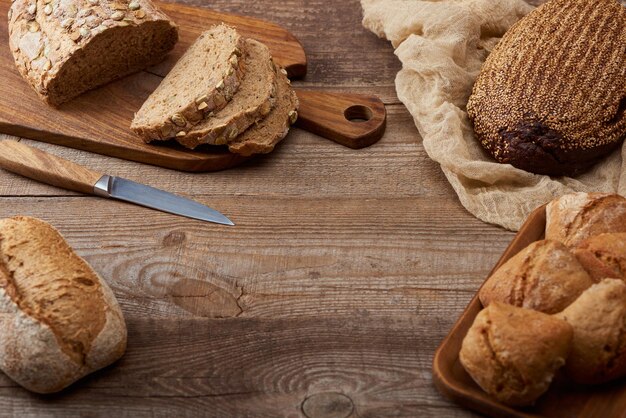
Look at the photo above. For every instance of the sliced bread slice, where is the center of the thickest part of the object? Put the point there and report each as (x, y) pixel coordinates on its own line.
(262, 137)
(253, 101)
(204, 80)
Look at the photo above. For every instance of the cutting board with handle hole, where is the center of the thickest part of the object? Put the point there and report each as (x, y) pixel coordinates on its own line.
(99, 121)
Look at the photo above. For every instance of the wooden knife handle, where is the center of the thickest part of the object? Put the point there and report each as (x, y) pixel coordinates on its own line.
(353, 120)
(47, 168)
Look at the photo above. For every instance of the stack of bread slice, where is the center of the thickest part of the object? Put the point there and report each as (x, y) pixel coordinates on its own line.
(225, 90)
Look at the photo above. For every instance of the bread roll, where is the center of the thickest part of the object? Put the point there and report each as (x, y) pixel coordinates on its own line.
(513, 353)
(545, 276)
(575, 217)
(603, 256)
(58, 320)
(598, 318)
(66, 47)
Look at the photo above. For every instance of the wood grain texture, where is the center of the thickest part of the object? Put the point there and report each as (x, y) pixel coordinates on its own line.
(344, 273)
(46, 168)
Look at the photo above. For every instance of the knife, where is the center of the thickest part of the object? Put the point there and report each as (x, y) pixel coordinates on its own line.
(47, 168)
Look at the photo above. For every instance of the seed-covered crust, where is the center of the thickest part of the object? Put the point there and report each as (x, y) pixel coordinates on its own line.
(262, 137)
(253, 101)
(65, 47)
(204, 80)
(551, 97)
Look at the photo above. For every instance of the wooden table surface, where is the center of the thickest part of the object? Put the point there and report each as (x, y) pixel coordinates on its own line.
(328, 299)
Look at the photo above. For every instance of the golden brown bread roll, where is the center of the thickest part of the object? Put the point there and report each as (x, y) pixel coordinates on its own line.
(575, 217)
(58, 320)
(545, 276)
(551, 96)
(513, 353)
(603, 256)
(598, 318)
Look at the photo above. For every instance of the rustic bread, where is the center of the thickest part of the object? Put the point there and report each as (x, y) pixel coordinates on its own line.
(513, 353)
(603, 256)
(551, 96)
(262, 137)
(598, 318)
(59, 321)
(204, 80)
(253, 101)
(545, 276)
(66, 47)
(573, 218)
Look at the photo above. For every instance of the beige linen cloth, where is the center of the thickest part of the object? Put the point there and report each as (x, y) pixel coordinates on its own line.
(442, 44)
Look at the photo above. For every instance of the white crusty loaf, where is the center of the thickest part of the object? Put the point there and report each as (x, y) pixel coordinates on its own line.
(66, 47)
(58, 320)
(204, 80)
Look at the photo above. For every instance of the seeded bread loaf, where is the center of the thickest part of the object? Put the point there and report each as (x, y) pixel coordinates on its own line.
(598, 318)
(513, 353)
(551, 96)
(204, 80)
(59, 321)
(253, 101)
(66, 47)
(603, 256)
(262, 137)
(575, 217)
(545, 276)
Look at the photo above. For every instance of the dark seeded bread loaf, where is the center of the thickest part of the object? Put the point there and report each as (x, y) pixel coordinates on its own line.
(66, 47)
(204, 80)
(253, 101)
(262, 137)
(58, 320)
(551, 97)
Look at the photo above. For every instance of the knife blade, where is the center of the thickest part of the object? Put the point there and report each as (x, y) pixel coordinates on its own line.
(47, 168)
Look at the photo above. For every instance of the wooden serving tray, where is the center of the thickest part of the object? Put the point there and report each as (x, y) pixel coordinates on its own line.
(99, 121)
(563, 399)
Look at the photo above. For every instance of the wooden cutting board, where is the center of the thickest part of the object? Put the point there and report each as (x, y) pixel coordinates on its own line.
(99, 121)
(563, 399)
